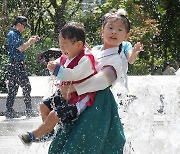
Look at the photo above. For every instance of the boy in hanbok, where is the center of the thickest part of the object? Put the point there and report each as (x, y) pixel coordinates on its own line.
(74, 66)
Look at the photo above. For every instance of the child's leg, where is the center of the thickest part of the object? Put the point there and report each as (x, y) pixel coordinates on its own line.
(65, 112)
(49, 119)
(47, 126)
(42, 131)
(46, 105)
(44, 110)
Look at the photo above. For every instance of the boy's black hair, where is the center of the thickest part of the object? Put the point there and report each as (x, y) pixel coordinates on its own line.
(73, 31)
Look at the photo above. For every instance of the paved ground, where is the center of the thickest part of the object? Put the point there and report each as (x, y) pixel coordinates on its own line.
(9, 141)
(146, 133)
(137, 143)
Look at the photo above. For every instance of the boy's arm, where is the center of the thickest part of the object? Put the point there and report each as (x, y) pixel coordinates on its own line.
(81, 71)
(138, 47)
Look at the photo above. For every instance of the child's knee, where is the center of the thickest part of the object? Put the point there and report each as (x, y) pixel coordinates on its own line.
(43, 108)
(54, 116)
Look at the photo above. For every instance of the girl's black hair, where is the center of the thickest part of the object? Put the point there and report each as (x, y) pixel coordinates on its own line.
(120, 48)
(117, 16)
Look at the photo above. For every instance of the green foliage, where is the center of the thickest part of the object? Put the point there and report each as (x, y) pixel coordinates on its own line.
(3, 73)
(155, 23)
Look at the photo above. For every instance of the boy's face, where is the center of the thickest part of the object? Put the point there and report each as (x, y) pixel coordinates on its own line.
(69, 48)
(114, 33)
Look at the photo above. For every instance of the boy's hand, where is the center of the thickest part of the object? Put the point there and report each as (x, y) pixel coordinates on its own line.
(67, 97)
(138, 47)
(66, 90)
(51, 66)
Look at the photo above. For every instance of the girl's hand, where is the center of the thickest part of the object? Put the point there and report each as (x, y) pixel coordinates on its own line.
(138, 47)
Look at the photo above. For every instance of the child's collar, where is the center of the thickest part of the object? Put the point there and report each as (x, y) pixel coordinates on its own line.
(105, 53)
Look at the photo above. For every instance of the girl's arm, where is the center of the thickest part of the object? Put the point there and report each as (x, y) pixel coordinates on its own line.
(138, 47)
(103, 79)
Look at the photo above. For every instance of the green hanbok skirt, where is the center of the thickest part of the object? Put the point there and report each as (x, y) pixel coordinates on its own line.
(98, 130)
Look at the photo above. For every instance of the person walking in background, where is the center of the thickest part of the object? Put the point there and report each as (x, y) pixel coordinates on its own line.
(17, 75)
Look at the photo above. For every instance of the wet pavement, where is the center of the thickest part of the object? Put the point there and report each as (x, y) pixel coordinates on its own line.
(151, 122)
(9, 141)
(11, 144)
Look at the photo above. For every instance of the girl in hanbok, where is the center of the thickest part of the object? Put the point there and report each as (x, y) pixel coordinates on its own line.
(98, 129)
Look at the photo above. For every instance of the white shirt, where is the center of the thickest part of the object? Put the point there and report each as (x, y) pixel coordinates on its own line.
(99, 81)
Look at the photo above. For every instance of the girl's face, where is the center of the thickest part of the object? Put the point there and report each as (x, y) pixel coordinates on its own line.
(114, 33)
(69, 48)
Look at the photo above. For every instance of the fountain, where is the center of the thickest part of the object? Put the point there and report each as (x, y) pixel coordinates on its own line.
(152, 120)
(150, 113)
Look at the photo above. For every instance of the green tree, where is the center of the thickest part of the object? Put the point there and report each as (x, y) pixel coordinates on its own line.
(156, 23)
